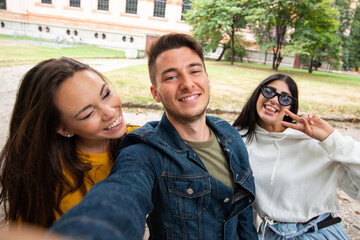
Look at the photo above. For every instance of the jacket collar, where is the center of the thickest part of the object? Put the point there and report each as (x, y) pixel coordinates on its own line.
(162, 132)
(168, 133)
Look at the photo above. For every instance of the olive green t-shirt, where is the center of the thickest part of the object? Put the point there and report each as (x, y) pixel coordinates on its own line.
(214, 160)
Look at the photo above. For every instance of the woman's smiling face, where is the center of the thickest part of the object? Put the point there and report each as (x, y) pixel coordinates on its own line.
(90, 110)
(270, 112)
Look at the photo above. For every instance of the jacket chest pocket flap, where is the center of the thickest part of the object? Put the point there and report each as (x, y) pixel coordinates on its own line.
(189, 196)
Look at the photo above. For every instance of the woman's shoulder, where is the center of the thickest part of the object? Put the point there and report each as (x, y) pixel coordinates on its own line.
(131, 127)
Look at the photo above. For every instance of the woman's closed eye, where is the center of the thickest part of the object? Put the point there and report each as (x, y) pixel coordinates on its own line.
(107, 94)
(87, 116)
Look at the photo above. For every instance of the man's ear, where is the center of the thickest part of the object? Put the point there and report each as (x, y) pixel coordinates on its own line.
(155, 94)
(64, 132)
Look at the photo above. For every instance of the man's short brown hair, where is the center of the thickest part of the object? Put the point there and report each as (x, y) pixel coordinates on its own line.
(168, 42)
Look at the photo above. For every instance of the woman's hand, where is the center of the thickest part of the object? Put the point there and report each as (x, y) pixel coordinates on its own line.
(310, 124)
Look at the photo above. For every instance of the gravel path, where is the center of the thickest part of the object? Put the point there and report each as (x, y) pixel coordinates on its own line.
(9, 79)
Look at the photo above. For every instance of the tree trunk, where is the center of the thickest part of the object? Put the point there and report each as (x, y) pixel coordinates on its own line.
(265, 57)
(277, 58)
(232, 45)
(280, 37)
(222, 54)
(311, 64)
(274, 60)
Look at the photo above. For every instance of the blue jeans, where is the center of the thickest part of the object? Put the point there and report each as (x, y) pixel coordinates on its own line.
(297, 231)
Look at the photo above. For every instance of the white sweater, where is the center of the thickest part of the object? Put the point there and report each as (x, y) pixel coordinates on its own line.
(296, 177)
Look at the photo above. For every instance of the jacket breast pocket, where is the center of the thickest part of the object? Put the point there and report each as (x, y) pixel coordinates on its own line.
(189, 196)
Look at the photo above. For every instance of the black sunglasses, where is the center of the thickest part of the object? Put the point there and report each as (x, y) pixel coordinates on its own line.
(284, 99)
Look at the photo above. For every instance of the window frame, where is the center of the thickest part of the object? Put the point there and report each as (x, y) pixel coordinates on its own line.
(75, 3)
(103, 5)
(159, 8)
(3, 4)
(131, 6)
(186, 5)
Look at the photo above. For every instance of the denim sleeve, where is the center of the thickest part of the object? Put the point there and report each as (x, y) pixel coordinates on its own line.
(246, 228)
(116, 207)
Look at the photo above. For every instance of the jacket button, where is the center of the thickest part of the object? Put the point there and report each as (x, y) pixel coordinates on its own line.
(226, 200)
(189, 191)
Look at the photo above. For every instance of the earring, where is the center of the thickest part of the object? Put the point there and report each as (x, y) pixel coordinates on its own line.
(68, 135)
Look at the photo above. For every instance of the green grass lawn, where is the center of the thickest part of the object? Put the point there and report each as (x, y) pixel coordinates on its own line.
(20, 53)
(328, 94)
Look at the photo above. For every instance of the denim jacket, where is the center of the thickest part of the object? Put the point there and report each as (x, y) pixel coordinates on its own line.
(158, 174)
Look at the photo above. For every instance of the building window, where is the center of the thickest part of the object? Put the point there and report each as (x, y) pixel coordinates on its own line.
(46, 1)
(40, 29)
(131, 6)
(185, 6)
(2, 24)
(96, 35)
(74, 3)
(103, 5)
(2, 4)
(159, 8)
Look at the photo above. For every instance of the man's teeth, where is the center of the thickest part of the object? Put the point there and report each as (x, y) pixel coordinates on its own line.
(189, 98)
(271, 108)
(114, 124)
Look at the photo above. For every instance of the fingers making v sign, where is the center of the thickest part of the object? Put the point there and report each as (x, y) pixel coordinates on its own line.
(310, 124)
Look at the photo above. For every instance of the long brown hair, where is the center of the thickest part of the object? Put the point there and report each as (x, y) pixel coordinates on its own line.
(34, 156)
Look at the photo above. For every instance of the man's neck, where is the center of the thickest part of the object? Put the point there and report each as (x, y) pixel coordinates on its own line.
(195, 131)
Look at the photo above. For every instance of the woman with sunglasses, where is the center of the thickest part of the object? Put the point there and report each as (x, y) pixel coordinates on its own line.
(64, 131)
(297, 166)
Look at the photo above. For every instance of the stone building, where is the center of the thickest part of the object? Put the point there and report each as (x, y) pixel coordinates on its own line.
(122, 24)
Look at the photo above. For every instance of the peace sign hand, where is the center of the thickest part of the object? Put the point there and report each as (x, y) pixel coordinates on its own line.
(310, 124)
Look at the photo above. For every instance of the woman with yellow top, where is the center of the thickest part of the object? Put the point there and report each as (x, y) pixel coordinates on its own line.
(64, 130)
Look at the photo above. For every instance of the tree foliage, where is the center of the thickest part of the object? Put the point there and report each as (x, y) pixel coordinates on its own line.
(354, 46)
(272, 23)
(217, 22)
(346, 14)
(315, 34)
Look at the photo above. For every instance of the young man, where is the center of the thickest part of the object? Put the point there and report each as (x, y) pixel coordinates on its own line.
(189, 172)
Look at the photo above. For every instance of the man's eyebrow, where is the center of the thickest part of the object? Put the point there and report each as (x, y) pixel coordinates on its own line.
(174, 69)
(82, 110)
(168, 70)
(102, 88)
(196, 65)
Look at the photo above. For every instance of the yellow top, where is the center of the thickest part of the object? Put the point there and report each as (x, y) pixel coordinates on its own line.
(101, 167)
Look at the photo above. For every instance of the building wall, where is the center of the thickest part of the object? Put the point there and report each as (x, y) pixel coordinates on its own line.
(113, 28)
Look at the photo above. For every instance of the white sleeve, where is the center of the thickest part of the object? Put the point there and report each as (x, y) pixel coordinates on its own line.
(346, 151)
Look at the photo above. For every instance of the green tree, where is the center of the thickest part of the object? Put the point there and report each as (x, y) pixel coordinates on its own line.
(354, 48)
(217, 22)
(346, 14)
(239, 49)
(272, 23)
(315, 34)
